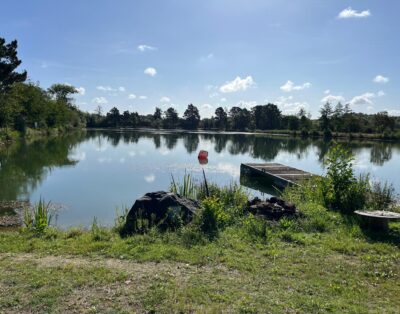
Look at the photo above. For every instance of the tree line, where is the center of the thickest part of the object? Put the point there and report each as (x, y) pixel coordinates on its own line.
(26, 105)
(262, 117)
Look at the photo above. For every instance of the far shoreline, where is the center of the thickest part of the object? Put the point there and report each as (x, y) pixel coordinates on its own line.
(278, 133)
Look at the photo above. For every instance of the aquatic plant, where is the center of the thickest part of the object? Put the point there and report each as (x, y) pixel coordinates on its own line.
(38, 217)
(186, 188)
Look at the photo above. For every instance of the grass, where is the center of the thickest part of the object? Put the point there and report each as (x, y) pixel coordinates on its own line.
(320, 263)
(224, 261)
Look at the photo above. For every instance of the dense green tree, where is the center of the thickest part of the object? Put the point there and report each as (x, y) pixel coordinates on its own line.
(171, 118)
(221, 118)
(157, 114)
(240, 118)
(326, 115)
(191, 117)
(113, 117)
(267, 117)
(62, 93)
(9, 62)
(382, 121)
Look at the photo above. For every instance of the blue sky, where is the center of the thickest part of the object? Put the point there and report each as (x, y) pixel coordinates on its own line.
(137, 55)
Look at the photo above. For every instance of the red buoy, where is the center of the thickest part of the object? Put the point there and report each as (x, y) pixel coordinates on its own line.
(203, 154)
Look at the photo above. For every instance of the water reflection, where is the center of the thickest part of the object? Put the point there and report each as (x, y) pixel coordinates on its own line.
(24, 165)
(116, 166)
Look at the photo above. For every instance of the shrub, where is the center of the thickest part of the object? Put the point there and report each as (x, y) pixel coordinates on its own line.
(211, 217)
(341, 190)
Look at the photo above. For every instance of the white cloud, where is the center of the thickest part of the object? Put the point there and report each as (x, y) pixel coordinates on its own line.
(100, 100)
(207, 106)
(212, 95)
(393, 112)
(381, 93)
(328, 91)
(78, 156)
(207, 57)
(150, 71)
(142, 97)
(144, 48)
(132, 96)
(289, 86)
(81, 90)
(165, 99)
(210, 87)
(364, 99)
(223, 99)
(332, 99)
(150, 178)
(381, 79)
(350, 13)
(237, 84)
(110, 89)
(290, 107)
(246, 104)
(105, 88)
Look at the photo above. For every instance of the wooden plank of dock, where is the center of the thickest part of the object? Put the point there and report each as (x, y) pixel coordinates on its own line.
(279, 175)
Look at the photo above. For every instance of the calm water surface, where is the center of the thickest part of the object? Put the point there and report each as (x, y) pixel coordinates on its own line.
(92, 173)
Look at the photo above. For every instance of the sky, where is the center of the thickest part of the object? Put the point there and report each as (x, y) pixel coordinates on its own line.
(137, 55)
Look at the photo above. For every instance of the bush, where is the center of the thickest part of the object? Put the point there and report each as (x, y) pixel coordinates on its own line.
(212, 217)
(341, 190)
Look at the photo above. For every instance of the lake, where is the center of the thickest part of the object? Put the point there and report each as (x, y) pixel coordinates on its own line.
(91, 173)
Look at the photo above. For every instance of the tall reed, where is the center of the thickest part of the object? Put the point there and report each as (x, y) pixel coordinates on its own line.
(38, 217)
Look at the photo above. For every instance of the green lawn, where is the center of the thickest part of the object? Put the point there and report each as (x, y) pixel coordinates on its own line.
(321, 263)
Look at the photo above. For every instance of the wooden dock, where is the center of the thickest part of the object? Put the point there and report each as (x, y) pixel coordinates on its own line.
(277, 174)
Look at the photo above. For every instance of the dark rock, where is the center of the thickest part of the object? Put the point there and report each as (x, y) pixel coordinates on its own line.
(274, 208)
(152, 209)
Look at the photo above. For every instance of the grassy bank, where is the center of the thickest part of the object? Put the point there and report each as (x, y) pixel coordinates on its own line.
(317, 264)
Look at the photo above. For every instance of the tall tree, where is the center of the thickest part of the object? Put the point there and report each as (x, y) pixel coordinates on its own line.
(8, 77)
(240, 118)
(157, 114)
(326, 115)
(221, 118)
(113, 117)
(171, 118)
(192, 117)
(62, 92)
(267, 117)
(8, 63)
